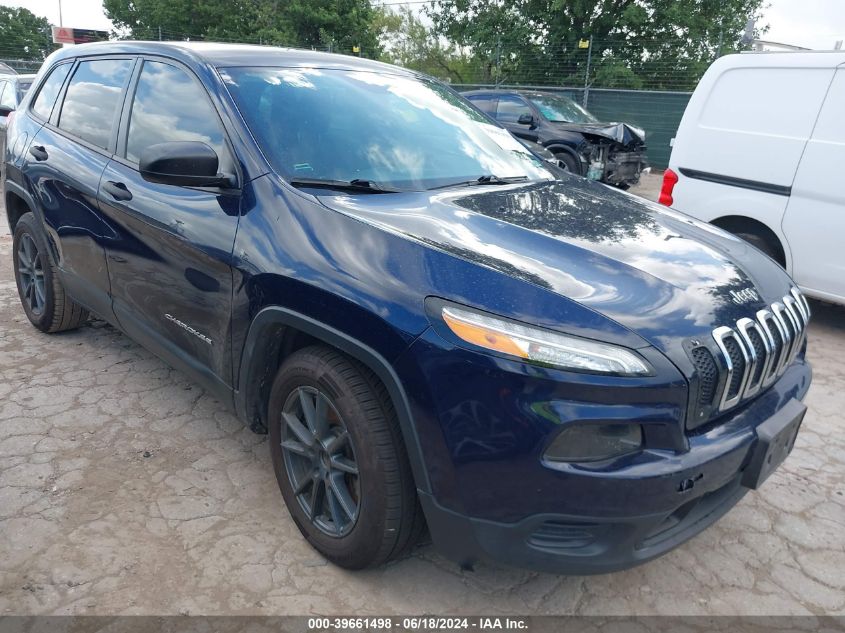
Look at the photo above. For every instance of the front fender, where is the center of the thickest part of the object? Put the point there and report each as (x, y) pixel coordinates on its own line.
(260, 351)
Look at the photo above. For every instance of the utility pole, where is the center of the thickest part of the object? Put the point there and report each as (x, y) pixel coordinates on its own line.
(587, 74)
(498, 61)
(60, 13)
(159, 34)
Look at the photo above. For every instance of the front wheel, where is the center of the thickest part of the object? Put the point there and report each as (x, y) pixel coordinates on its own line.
(568, 163)
(340, 461)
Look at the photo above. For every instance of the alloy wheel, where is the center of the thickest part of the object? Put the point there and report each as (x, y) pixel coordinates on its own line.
(320, 461)
(31, 274)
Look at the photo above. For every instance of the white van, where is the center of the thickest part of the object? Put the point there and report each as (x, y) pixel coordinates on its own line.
(760, 152)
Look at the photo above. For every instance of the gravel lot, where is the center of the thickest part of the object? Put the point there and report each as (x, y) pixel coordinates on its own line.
(124, 489)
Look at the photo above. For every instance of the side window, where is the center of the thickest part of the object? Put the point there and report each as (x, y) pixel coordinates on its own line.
(6, 95)
(46, 98)
(169, 105)
(485, 103)
(511, 108)
(23, 88)
(93, 98)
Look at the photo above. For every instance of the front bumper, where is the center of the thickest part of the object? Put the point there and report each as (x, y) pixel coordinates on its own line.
(588, 520)
(625, 167)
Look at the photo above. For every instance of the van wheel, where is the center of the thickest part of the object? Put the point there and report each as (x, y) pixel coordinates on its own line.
(339, 459)
(762, 244)
(42, 295)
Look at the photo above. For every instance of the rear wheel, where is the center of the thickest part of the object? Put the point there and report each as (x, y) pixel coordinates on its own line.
(42, 296)
(339, 459)
(761, 243)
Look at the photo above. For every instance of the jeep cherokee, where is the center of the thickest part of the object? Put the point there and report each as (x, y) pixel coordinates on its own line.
(432, 327)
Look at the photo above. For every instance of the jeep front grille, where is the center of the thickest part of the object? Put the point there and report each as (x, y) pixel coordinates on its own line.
(750, 355)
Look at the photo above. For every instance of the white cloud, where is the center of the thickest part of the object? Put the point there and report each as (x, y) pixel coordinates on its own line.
(80, 14)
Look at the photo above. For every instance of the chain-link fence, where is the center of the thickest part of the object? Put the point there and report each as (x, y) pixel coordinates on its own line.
(21, 66)
(641, 83)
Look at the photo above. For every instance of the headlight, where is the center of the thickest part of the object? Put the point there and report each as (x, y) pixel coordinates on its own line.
(542, 346)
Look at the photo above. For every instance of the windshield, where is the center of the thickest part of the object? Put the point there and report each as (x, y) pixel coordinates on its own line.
(395, 131)
(559, 109)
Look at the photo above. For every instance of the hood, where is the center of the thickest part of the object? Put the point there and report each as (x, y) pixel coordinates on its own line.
(662, 275)
(622, 133)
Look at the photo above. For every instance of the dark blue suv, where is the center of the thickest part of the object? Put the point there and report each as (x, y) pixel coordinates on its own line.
(433, 328)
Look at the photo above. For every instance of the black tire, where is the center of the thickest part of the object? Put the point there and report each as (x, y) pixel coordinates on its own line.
(761, 243)
(42, 296)
(568, 163)
(387, 518)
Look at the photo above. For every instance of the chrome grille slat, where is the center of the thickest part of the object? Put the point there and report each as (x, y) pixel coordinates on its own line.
(801, 303)
(779, 310)
(798, 324)
(722, 335)
(761, 348)
(764, 318)
(755, 380)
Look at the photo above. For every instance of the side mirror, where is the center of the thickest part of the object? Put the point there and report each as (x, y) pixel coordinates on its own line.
(6, 111)
(525, 119)
(183, 163)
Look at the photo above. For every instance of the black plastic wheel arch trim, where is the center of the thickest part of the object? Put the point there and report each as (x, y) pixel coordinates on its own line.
(252, 371)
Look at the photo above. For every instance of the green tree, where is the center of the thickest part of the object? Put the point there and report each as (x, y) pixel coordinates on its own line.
(23, 35)
(336, 24)
(636, 43)
(409, 42)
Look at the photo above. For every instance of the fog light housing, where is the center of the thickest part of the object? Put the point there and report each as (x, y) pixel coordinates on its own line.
(595, 442)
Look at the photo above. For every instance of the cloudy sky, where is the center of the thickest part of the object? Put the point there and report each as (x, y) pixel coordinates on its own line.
(811, 23)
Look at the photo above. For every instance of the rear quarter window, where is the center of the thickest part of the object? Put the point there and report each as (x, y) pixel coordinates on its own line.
(46, 99)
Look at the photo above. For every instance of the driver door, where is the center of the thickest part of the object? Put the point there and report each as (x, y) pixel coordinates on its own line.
(510, 110)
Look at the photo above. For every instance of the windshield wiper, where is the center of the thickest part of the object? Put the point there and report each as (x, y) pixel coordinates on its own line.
(488, 179)
(357, 184)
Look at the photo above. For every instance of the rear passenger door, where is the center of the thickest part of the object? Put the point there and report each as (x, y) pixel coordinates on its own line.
(6, 89)
(170, 259)
(814, 223)
(65, 161)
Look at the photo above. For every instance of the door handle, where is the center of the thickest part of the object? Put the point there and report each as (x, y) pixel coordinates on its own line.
(39, 152)
(117, 190)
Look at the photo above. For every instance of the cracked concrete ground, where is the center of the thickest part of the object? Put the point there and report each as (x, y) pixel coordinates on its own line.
(124, 489)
